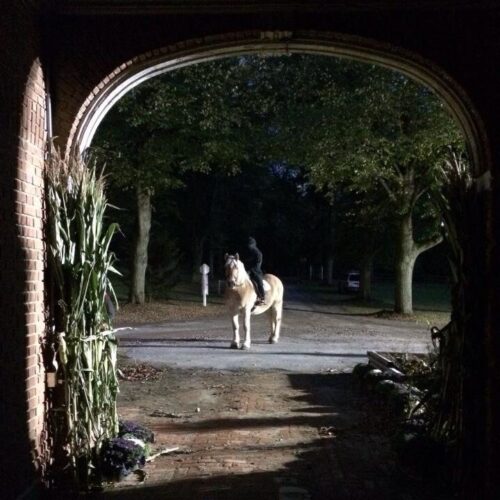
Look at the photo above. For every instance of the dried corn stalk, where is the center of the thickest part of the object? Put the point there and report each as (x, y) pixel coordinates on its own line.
(80, 262)
(455, 204)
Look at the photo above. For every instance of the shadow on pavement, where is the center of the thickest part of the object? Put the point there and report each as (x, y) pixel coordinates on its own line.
(345, 454)
(331, 313)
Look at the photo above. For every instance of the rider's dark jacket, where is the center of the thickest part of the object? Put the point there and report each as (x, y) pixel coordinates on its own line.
(253, 263)
(254, 257)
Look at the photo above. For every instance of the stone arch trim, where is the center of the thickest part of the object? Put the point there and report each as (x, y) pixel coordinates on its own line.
(155, 62)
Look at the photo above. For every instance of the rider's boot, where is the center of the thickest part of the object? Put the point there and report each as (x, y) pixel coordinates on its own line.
(261, 301)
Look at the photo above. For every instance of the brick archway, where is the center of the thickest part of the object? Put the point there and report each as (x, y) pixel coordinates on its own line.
(85, 48)
(155, 62)
(140, 68)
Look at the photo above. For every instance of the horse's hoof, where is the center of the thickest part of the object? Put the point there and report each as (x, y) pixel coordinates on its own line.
(245, 347)
(235, 345)
(272, 340)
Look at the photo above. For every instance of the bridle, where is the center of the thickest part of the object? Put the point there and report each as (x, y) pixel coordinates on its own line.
(233, 276)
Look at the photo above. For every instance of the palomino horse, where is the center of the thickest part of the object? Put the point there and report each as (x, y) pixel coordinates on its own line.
(240, 297)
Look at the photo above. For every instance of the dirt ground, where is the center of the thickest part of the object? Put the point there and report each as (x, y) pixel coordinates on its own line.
(166, 310)
(263, 435)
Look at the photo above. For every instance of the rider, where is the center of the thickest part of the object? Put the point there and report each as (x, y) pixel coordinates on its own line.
(252, 264)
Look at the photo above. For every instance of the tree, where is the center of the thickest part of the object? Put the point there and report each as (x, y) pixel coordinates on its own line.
(336, 126)
(385, 131)
(186, 121)
(364, 226)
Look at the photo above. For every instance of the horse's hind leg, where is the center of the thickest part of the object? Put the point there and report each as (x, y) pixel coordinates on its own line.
(235, 344)
(275, 313)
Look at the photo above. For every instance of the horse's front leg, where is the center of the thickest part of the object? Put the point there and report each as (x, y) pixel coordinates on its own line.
(247, 343)
(235, 344)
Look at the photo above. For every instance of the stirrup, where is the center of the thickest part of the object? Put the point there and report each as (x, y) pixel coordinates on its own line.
(258, 302)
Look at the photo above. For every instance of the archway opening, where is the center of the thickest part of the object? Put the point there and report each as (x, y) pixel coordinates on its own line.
(325, 162)
(156, 62)
(87, 128)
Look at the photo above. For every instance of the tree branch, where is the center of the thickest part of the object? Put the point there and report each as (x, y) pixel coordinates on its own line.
(391, 194)
(423, 246)
(399, 171)
(419, 195)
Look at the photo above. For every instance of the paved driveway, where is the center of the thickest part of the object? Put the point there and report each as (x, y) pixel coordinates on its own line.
(315, 337)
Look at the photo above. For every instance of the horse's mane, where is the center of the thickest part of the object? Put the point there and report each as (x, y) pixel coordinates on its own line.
(235, 259)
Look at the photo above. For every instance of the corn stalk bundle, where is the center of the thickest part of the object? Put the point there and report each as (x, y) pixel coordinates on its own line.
(455, 202)
(80, 263)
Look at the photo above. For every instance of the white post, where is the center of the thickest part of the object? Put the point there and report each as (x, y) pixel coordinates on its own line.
(310, 272)
(204, 270)
(321, 273)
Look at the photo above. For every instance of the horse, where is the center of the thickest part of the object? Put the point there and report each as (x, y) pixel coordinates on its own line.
(240, 297)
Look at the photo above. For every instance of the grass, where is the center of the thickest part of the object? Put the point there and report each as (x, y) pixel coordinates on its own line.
(431, 302)
(184, 290)
(181, 302)
(433, 297)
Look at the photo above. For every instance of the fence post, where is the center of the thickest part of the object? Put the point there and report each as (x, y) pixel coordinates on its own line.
(204, 270)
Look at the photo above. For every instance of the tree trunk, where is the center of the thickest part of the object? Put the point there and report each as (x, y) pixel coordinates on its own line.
(330, 245)
(329, 270)
(211, 258)
(198, 246)
(366, 277)
(407, 253)
(140, 264)
(405, 262)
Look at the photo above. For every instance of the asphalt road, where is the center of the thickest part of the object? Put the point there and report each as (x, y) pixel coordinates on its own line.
(314, 337)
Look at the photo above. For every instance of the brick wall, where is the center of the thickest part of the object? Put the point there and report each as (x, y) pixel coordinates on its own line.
(22, 325)
(29, 218)
(82, 51)
(461, 43)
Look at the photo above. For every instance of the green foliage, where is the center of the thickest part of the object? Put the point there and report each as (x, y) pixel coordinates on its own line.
(383, 137)
(252, 138)
(193, 119)
(80, 262)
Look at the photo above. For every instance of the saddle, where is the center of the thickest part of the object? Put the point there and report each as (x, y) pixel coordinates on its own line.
(266, 287)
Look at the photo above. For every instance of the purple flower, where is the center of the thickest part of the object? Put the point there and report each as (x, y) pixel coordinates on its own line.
(136, 430)
(121, 456)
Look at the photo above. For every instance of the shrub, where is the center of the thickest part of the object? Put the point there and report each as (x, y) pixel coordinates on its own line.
(128, 428)
(120, 456)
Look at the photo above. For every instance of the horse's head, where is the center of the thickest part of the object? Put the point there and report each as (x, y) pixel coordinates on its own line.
(234, 270)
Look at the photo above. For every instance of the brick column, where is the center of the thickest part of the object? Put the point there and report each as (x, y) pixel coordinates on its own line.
(22, 255)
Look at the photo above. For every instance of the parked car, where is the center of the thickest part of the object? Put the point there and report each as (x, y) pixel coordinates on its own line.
(351, 282)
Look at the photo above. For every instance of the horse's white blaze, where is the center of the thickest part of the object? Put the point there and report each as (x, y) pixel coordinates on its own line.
(240, 298)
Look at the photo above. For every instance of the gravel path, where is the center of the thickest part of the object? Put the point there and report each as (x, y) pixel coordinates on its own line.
(315, 337)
